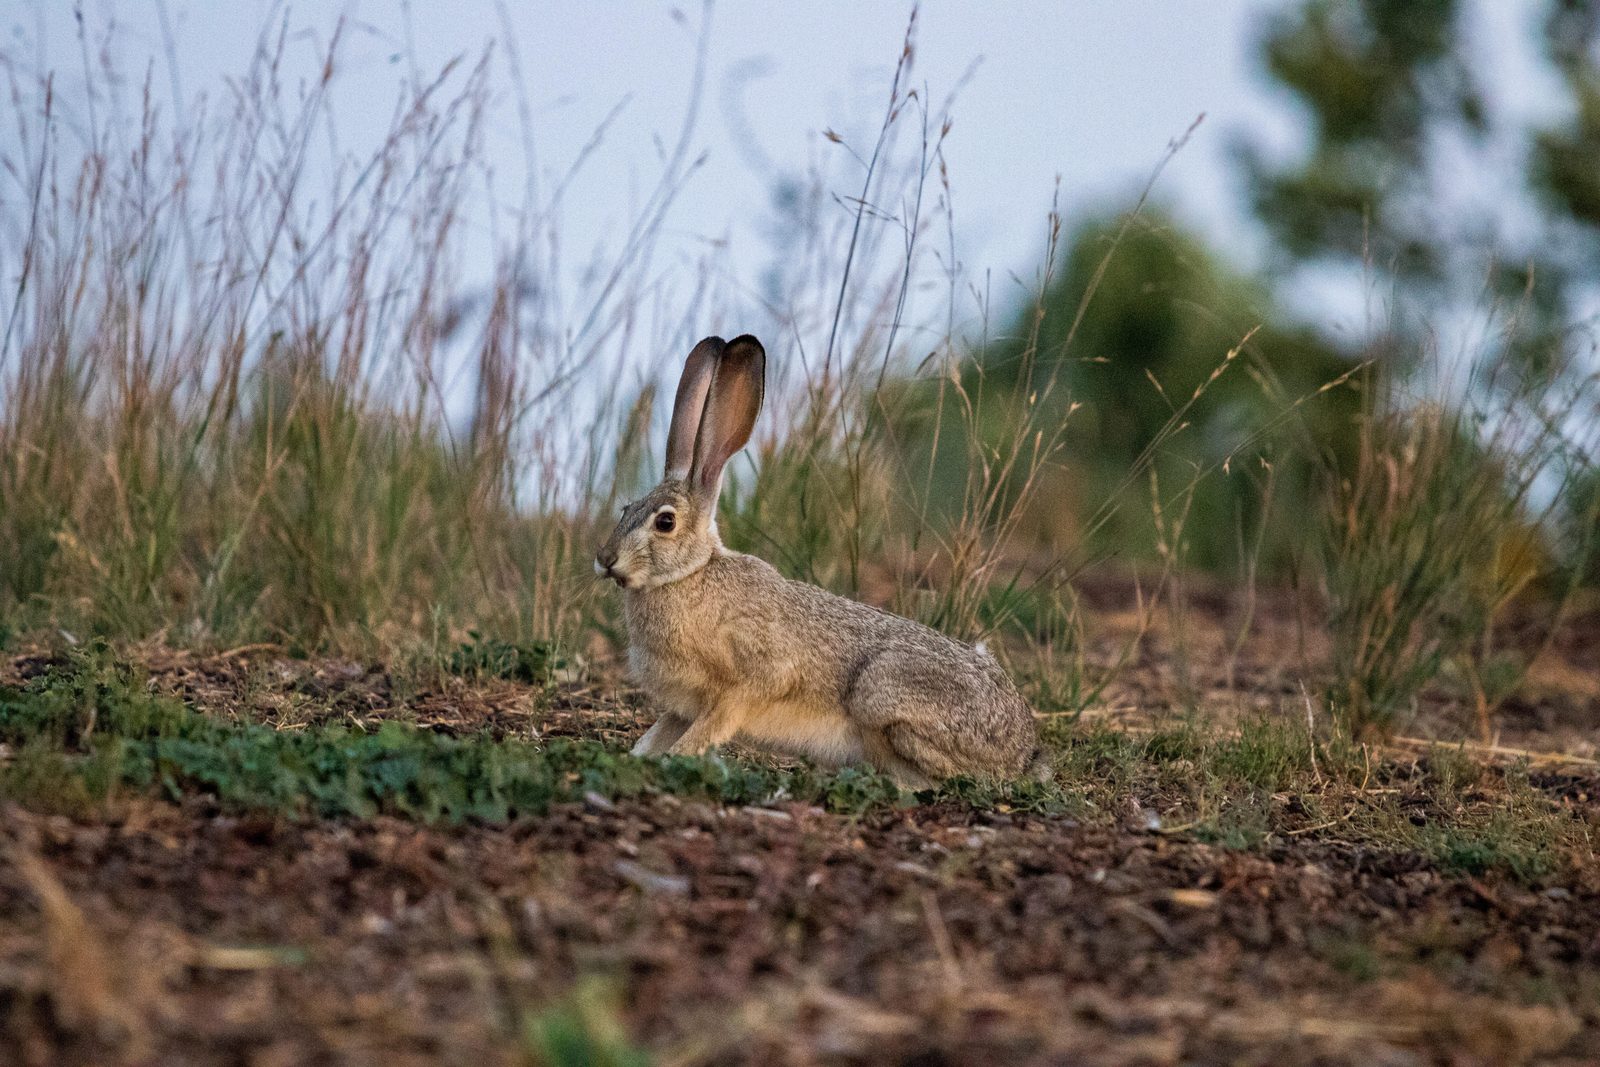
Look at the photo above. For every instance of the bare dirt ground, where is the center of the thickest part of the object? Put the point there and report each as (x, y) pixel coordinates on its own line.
(175, 933)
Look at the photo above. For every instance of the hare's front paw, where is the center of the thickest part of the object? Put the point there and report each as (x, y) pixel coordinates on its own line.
(705, 733)
(661, 736)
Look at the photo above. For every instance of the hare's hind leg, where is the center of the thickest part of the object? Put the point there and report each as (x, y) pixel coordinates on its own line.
(927, 753)
(661, 736)
(882, 755)
(915, 711)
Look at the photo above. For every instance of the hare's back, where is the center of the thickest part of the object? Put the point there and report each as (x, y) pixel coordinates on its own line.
(800, 616)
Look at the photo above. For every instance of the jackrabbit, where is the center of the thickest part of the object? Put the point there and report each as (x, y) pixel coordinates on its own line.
(729, 647)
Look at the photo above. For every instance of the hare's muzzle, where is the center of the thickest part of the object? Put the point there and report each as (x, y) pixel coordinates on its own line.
(604, 561)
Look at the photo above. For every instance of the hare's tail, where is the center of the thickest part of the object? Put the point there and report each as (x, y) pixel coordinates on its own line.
(1040, 768)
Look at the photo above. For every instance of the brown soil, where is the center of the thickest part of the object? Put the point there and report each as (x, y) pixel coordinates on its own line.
(176, 934)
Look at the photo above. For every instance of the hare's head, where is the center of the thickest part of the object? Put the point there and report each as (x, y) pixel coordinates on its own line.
(671, 531)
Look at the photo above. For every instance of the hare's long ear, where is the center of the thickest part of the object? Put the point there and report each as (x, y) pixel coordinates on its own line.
(690, 404)
(730, 415)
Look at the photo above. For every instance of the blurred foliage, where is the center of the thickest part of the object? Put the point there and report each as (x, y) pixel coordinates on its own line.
(1564, 154)
(1583, 525)
(584, 1030)
(1154, 411)
(1376, 80)
(1163, 456)
(1393, 92)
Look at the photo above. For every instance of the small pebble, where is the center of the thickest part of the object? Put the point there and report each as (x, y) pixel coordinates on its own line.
(651, 881)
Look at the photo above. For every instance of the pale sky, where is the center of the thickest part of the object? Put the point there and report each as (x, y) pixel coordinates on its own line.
(1091, 93)
(1087, 93)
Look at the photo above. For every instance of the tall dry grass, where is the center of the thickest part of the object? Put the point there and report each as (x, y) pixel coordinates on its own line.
(246, 394)
(1461, 501)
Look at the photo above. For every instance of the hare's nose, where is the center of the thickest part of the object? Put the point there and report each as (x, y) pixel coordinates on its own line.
(604, 560)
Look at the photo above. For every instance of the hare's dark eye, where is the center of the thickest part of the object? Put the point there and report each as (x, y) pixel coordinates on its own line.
(666, 521)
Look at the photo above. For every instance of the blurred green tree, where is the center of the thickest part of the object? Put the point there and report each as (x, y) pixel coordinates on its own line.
(1158, 427)
(1413, 174)
(1412, 171)
(1379, 81)
(1463, 208)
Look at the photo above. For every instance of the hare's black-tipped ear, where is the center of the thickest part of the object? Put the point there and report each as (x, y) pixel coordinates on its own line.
(690, 404)
(730, 415)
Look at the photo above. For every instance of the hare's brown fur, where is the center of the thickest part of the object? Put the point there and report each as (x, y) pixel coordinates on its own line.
(730, 648)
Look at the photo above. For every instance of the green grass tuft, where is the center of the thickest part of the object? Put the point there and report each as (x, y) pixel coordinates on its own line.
(490, 657)
(1503, 843)
(584, 1030)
